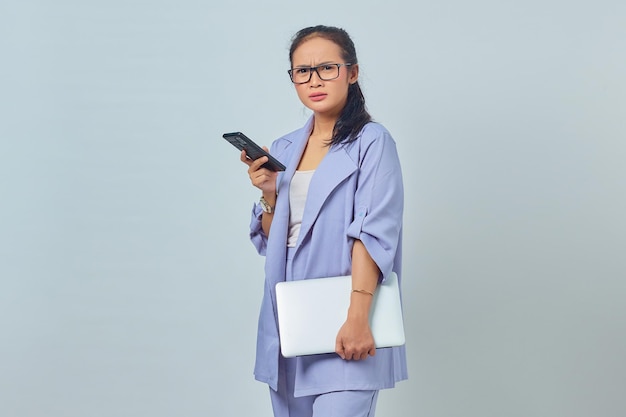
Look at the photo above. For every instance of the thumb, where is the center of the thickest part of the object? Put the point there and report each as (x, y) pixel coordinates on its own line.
(339, 348)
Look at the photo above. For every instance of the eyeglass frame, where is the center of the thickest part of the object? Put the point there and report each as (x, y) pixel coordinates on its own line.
(312, 69)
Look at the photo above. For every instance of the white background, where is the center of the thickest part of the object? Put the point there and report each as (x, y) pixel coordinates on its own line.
(128, 286)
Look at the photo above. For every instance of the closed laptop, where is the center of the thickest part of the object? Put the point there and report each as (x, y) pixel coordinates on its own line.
(311, 312)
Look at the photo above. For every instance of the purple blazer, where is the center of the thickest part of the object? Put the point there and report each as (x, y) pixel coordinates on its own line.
(355, 193)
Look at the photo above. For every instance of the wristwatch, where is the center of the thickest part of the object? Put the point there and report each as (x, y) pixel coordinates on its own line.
(265, 206)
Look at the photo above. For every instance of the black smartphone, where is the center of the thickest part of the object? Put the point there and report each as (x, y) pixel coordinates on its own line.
(254, 151)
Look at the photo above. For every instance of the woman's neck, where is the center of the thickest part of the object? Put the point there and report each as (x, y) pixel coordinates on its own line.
(323, 127)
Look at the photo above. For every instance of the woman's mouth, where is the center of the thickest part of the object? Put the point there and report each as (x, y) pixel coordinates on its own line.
(317, 96)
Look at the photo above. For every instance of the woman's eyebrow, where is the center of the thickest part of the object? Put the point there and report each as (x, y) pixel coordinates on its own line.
(318, 65)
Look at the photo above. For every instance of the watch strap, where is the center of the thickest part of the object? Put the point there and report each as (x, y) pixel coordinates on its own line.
(265, 206)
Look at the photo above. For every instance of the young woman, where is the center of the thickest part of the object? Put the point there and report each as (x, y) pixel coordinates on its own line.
(336, 210)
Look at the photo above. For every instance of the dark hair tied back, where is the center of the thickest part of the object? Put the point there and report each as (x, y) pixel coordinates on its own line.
(354, 115)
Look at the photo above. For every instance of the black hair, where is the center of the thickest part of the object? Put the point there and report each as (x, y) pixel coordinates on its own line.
(354, 115)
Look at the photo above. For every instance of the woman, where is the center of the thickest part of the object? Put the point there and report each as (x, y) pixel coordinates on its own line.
(336, 210)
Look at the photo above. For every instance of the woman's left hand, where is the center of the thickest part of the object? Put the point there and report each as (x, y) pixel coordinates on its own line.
(354, 340)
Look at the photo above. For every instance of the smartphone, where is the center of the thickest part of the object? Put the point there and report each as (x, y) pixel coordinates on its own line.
(254, 151)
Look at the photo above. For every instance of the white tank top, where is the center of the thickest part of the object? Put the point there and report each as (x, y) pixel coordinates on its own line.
(298, 190)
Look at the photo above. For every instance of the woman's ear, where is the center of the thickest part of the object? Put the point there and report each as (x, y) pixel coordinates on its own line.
(354, 73)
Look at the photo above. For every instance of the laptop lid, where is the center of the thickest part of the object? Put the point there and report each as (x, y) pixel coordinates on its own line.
(311, 312)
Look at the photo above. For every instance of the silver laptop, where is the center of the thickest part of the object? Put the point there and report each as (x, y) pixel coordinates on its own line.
(311, 312)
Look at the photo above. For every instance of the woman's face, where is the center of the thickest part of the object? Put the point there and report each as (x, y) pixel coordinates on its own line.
(325, 98)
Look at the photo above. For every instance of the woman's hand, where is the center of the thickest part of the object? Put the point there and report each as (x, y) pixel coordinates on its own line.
(355, 340)
(262, 178)
(265, 180)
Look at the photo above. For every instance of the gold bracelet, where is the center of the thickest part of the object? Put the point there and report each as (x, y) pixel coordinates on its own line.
(364, 292)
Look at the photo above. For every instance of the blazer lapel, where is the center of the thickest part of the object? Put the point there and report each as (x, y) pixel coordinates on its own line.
(280, 223)
(332, 171)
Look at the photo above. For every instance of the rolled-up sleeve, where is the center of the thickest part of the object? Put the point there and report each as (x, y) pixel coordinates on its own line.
(257, 235)
(379, 202)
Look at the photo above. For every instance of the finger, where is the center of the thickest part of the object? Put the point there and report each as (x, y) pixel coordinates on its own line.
(243, 157)
(356, 356)
(259, 180)
(339, 349)
(260, 161)
(257, 163)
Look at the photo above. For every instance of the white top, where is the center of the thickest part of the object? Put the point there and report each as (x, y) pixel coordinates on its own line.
(298, 190)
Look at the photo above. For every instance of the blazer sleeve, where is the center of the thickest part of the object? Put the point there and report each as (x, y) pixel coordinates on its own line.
(379, 201)
(257, 235)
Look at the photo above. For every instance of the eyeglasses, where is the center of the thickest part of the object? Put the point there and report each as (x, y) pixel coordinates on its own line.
(326, 72)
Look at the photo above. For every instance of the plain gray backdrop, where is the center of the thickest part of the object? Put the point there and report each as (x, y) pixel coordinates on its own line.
(128, 286)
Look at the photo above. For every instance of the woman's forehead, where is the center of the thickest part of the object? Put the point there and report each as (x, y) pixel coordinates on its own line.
(316, 51)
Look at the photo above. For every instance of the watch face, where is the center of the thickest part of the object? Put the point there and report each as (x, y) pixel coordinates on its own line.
(265, 206)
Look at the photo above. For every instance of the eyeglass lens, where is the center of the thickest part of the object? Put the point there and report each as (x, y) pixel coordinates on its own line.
(326, 72)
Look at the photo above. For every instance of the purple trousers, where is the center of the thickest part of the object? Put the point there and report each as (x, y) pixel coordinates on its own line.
(331, 404)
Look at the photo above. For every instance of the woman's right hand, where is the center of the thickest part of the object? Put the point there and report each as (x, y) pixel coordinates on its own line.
(262, 178)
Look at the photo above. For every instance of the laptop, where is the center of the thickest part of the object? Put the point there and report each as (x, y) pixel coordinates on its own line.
(311, 312)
